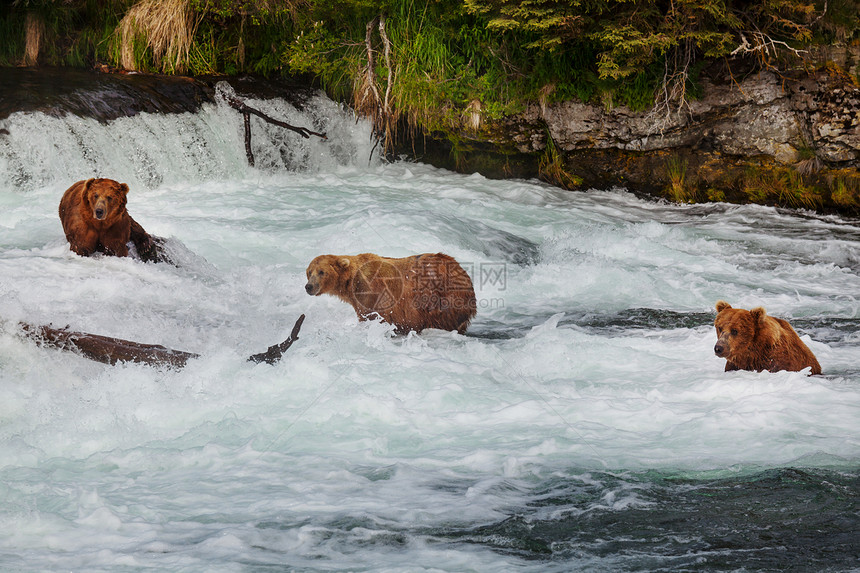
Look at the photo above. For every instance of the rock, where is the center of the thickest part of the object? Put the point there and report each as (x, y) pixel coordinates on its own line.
(763, 115)
(749, 138)
(107, 96)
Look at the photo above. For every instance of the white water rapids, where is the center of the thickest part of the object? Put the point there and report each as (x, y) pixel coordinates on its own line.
(587, 377)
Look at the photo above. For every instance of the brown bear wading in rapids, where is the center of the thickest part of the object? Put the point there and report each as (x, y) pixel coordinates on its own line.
(412, 293)
(752, 340)
(95, 220)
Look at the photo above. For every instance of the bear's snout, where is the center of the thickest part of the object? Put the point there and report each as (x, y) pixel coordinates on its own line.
(719, 349)
(99, 213)
(311, 289)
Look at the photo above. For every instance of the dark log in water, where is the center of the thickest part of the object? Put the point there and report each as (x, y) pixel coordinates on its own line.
(274, 353)
(104, 348)
(246, 117)
(111, 350)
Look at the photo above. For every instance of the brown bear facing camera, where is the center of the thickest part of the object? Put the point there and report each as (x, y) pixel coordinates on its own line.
(95, 220)
(752, 340)
(412, 293)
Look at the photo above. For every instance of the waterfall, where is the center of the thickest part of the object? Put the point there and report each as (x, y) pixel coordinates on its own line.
(152, 149)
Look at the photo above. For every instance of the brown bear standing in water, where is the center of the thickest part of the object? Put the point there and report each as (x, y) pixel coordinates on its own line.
(412, 293)
(752, 340)
(95, 220)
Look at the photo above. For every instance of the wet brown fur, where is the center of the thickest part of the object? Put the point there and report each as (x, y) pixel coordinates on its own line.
(752, 340)
(412, 293)
(95, 220)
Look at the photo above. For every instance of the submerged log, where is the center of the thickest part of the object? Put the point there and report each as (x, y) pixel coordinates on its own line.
(105, 348)
(111, 350)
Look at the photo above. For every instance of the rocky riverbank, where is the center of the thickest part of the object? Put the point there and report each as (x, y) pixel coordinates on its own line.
(789, 139)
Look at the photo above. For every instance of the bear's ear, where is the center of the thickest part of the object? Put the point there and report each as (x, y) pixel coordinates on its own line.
(88, 184)
(722, 305)
(123, 188)
(343, 262)
(758, 314)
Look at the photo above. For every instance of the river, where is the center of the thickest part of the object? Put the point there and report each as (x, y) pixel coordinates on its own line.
(583, 423)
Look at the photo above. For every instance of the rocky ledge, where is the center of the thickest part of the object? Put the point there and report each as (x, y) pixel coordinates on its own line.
(790, 139)
(107, 96)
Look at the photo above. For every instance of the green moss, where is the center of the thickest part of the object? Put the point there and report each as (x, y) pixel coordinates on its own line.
(716, 195)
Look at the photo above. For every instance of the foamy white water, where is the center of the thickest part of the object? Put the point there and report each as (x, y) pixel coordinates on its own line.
(586, 381)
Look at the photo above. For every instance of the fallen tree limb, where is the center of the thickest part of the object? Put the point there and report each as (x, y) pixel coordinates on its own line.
(274, 353)
(109, 350)
(250, 154)
(247, 111)
(303, 131)
(105, 348)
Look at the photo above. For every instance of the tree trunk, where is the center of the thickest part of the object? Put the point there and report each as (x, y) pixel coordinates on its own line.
(34, 29)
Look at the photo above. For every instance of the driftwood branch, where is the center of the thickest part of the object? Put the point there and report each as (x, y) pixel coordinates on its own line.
(247, 118)
(274, 353)
(112, 350)
(247, 111)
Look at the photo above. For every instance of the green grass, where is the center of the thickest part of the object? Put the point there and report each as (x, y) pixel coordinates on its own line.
(678, 189)
(552, 168)
(780, 186)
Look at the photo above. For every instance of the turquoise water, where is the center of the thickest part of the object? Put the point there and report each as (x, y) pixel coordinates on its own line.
(582, 423)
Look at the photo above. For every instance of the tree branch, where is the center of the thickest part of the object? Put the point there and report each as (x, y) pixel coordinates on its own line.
(386, 103)
(110, 350)
(762, 45)
(104, 348)
(274, 352)
(370, 76)
(246, 112)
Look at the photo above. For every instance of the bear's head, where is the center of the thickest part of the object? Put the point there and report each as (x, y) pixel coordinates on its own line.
(736, 329)
(325, 274)
(106, 198)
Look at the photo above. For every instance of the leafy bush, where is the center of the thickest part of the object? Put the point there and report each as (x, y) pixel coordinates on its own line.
(433, 59)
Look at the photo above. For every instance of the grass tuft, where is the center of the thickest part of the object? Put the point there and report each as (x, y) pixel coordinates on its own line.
(552, 168)
(782, 186)
(167, 28)
(845, 190)
(678, 189)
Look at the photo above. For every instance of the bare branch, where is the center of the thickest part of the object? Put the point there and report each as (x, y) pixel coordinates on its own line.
(763, 45)
(386, 103)
(111, 350)
(274, 352)
(671, 97)
(370, 75)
